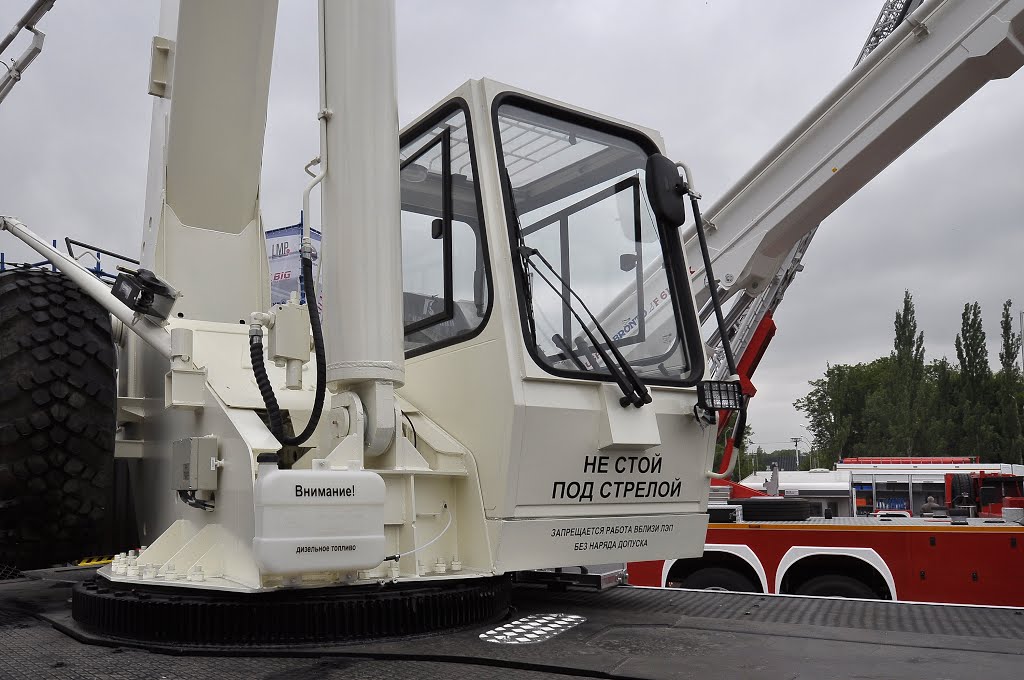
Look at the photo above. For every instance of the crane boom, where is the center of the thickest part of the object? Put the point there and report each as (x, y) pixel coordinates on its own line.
(750, 315)
(890, 17)
(944, 53)
(210, 78)
(933, 62)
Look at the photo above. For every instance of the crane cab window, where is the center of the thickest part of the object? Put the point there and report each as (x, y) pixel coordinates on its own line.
(576, 202)
(446, 284)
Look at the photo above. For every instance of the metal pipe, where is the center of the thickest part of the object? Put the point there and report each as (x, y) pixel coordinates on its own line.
(733, 444)
(18, 66)
(293, 371)
(307, 166)
(727, 473)
(323, 115)
(34, 14)
(154, 335)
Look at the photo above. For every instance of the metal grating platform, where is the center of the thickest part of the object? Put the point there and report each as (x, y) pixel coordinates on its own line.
(9, 572)
(35, 652)
(627, 633)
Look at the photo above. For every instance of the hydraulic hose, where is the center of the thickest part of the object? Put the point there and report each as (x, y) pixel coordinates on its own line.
(730, 361)
(260, 370)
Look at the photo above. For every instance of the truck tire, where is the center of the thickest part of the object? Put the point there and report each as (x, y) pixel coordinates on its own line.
(764, 509)
(837, 585)
(58, 400)
(960, 484)
(719, 578)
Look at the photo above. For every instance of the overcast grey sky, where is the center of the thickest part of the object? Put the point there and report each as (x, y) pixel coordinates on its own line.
(722, 81)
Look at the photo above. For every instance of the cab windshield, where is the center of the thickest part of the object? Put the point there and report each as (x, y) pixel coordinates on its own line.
(575, 192)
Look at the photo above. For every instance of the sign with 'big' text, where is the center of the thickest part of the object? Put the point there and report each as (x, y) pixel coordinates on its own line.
(283, 246)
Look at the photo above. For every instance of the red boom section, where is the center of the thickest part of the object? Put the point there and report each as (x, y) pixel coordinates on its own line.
(759, 342)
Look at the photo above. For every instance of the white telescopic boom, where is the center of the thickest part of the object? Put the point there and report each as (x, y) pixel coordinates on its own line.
(931, 64)
(935, 61)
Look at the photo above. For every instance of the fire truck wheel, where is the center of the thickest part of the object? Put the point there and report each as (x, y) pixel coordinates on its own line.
(837, 585)
(719, 578)
(58, 399)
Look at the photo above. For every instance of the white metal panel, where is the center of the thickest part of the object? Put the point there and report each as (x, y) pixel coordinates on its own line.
(221, 77)
(598, 540)
(202, 228)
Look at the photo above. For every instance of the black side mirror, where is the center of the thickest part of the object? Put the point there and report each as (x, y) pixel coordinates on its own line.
(437, 229)
(627, 262)
(666, 190)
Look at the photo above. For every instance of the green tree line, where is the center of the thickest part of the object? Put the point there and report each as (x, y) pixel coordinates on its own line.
(899, 405)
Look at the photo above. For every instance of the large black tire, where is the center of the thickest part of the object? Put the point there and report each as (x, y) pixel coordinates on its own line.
(765, 509)
(961, 485)
(58, 400)
(719, 578)
(837, 585)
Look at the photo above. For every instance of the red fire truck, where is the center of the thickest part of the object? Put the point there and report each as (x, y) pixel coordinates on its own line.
(983, 492)
(956, 559)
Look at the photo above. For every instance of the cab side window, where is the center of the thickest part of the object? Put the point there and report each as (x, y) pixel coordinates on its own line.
(446, 283)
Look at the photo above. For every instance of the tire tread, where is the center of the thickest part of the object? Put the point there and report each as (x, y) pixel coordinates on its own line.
(58, 400)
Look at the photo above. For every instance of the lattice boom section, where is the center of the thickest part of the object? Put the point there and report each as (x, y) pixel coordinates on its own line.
(892, 15)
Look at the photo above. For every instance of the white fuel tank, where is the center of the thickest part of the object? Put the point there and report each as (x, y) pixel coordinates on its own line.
(325, 520)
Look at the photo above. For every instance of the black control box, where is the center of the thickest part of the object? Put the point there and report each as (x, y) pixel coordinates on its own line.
(144, 293)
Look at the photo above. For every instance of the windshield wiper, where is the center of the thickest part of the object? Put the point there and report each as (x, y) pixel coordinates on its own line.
(561, 344)
(633, 389)
(630, 395)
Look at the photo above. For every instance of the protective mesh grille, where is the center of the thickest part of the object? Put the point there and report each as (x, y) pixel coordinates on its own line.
(8, 572)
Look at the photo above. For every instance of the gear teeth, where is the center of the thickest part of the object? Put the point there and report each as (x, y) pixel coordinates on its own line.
(193, 618)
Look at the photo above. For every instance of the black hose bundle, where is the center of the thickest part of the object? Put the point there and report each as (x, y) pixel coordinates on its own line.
(260, 370)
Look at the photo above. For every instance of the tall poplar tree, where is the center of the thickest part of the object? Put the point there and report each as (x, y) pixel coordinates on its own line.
(978, 435)
(1009, 348)
(905, 382)
(971, 351)
(1009, 388)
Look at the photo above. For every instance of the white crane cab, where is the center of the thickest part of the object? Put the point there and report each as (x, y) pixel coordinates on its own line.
(500, 349)
(539, 422)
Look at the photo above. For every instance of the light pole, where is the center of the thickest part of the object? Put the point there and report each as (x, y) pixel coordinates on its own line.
(796, 450)
(810, 444)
